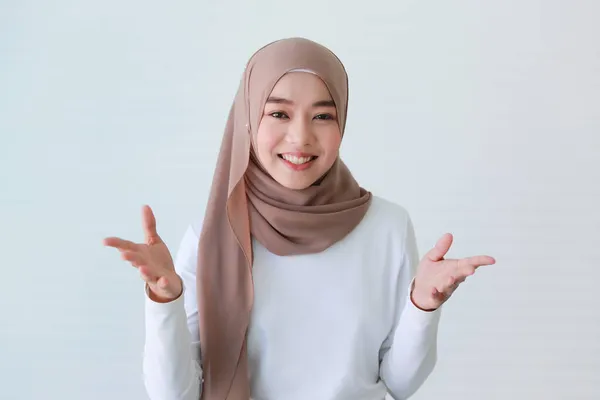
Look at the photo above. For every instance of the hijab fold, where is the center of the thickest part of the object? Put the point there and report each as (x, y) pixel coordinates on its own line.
(245, 202)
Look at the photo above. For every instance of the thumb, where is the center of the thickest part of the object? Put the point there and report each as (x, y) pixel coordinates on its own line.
(149, 226)
(441, 248)
(162, 282)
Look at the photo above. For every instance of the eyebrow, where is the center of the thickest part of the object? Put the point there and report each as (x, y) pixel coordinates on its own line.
(281, 100)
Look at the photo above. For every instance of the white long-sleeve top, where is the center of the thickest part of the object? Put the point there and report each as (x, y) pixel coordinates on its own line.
(333, 325)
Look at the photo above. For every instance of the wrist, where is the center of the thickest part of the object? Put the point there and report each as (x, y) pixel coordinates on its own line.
(166, 296)
(159, 299)
(421, 300)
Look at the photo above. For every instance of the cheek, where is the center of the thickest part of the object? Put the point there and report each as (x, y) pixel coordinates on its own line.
(330, 145)
(330, 141)
(266, 140)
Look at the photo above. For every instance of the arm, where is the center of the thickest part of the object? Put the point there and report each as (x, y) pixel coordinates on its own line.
(410, 353)
(171, 361)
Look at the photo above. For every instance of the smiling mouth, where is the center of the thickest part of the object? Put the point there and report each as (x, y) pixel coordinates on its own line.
(297, 160)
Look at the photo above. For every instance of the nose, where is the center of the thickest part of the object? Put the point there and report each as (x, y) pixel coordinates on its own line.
(299, 132)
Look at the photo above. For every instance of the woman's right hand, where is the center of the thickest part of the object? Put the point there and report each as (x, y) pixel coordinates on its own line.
(152, 259)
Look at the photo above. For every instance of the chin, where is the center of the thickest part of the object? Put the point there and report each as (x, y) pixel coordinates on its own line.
(295, 181)
(296, 185)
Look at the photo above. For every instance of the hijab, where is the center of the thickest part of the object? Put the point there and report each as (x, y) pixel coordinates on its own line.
(245, 202)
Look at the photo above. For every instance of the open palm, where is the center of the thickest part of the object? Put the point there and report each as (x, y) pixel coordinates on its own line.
(437, 278)
(152, 259)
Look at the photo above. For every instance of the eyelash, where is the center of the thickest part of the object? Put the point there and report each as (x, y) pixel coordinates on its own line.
(279, 114)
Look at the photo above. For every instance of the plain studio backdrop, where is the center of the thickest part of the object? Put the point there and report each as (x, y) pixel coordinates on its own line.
(481, 118)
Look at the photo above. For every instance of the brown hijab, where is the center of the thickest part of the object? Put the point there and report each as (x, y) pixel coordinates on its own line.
(246, 202)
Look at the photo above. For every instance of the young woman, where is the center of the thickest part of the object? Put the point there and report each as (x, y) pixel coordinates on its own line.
(298, 283)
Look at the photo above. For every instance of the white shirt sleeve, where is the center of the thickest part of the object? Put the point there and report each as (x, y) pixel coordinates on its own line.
(410, 353)
(171, 360)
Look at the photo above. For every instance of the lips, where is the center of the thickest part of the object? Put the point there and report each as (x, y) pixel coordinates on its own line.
(297, 161)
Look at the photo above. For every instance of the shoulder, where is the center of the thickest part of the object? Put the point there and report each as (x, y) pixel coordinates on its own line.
(386, 214)
(385, 230)
(388, 208)
(195, 226)
(386, 239)
(186, 252)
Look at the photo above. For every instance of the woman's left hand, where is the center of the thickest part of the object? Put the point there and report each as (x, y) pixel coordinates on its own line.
(437, 278)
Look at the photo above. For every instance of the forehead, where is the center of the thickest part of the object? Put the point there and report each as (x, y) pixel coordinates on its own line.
(270, 64)
(300, 86)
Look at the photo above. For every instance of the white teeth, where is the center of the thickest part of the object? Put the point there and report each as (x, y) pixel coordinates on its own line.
(296, 160)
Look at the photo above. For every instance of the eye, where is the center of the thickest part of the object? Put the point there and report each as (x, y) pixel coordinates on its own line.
(278, 115)
(324, 116)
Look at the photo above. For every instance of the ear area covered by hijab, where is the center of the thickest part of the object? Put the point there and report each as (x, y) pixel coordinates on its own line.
(245, 203)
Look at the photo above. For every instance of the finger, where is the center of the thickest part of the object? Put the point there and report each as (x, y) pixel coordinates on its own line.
(441, 248)
(445, 284)
(459, 280)
(162, 282)
(452, 284)
(478, 261)
(149, 225)
(146, 274)
(439, 295)
(463, 269)
(134, 257)
(453, 272)
(120, 244)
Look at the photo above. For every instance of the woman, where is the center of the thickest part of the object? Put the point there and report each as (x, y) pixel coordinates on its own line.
(298, 283)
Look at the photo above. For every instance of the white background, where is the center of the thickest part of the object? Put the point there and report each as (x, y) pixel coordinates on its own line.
(481, 118)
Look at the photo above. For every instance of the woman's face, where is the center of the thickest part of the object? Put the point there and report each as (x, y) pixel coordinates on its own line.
(298, 137)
